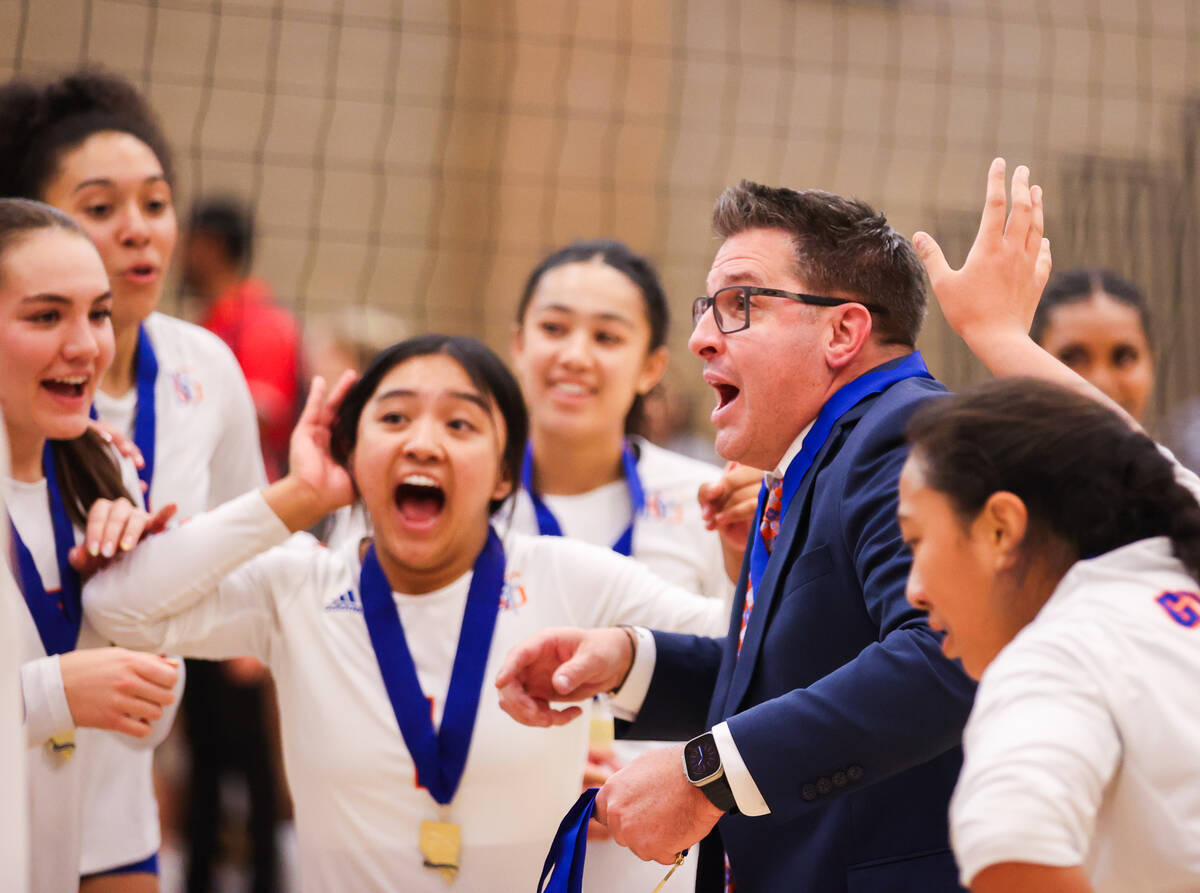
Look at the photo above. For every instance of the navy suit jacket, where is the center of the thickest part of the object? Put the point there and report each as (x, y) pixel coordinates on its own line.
(841, 703)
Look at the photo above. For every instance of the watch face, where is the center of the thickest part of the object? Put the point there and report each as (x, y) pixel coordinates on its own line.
(702, 758)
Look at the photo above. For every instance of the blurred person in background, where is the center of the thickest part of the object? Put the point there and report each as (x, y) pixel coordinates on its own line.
(348, 338)
(240, 308)
(668, 411)
(1098, 325)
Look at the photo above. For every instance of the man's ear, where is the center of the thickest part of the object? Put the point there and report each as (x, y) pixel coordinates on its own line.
(1003, 522)
(848, 329)
(654, 367)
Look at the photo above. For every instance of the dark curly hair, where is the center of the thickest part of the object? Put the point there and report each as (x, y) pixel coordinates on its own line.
(1086, 478)
(41, 122)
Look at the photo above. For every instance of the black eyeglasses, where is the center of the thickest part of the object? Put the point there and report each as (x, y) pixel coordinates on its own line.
(731, 305)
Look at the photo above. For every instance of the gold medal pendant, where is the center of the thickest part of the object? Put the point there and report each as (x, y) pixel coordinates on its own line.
(62, 747)
(441, 847)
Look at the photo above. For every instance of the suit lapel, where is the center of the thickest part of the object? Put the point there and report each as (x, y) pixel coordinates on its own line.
(782, 554)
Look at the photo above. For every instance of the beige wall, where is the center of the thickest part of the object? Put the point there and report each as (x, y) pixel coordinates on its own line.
(420, 156)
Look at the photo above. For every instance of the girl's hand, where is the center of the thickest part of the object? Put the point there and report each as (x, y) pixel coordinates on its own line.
(116, 689)
(998, 288)
(115, 526)
(315, 484)
(115, 438)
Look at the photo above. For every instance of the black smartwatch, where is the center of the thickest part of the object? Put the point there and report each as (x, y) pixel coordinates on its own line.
(702, 766)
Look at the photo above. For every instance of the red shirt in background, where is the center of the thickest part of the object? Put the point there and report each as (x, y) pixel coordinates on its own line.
(265, 338)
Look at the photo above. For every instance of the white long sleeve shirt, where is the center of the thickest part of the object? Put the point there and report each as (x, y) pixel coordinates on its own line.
(14, 814)
(57, 787)
(298, 608)
(206, 453)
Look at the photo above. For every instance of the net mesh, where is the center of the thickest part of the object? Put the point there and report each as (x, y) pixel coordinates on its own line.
(421, 156)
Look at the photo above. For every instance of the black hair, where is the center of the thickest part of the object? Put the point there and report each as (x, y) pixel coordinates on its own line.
(636, 268)
(86, 469)
(1081, 284)
(842, 245)
(41, 122)
(1086, 477)
(486, 371)
(229, 222)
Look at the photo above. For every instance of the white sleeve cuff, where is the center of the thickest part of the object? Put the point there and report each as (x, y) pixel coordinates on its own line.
(46, 710)
(745, 791)
(627, 700)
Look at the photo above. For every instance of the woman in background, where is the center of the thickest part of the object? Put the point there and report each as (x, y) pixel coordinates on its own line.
(589, 345)
(1098, 325)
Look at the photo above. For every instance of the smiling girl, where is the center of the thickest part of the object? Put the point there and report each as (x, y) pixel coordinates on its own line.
(589, 344)
(55, 344)
(401, 767)
(90, 145)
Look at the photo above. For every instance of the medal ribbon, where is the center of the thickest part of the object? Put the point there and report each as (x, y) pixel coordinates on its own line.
(563, 870)
(846, 398)
(440, 756)
(548, 524)
(564, 863)
(144, 418)
(56, 613)
(144, 422)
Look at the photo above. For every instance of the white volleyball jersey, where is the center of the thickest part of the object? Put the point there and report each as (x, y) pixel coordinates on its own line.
(1083, 747)
(670, 538)
(206, 452)
(298, 608)
(56, 786)
(14, 811)
(206, 432)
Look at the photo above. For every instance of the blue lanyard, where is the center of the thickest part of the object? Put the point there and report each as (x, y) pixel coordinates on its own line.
(144, 422)
(440, 756)
(57, 614)
(548, 524)
(846, 398)
(564, 863)
(144, 419)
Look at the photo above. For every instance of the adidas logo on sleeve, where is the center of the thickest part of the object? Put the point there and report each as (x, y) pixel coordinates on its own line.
(347, 601)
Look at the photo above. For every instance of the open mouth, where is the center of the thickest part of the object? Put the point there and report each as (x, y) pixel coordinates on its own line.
(420, 499)
(66, 387)
(726, 394)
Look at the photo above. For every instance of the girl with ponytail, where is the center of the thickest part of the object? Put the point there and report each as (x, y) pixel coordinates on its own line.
(1058, 547)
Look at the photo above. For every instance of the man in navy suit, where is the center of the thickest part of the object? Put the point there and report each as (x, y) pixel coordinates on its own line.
(825, 726)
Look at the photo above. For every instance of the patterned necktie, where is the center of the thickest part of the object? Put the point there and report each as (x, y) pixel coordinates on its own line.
(769, 528)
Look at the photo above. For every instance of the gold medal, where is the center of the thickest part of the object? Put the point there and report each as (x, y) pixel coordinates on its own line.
(441, 847)
(62, 747)
(601, 732)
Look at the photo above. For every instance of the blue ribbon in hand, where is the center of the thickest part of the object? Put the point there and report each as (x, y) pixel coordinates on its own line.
(564, 864)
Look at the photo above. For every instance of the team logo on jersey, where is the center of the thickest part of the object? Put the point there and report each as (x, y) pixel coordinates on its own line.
(1182, 607)
(347, 601)
(187, 388)
(661, 509)
(512, 596)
